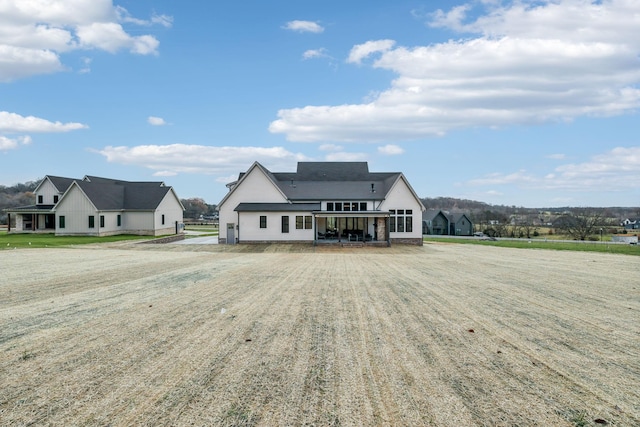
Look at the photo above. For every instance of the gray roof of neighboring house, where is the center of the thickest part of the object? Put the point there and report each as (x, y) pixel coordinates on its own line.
(454, 217)
(108, 194)
(61, 183)
(277, 207)
(111, 194)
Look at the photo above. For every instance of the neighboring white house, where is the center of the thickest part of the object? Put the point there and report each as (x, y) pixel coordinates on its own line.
(95, 206)
(321, 202)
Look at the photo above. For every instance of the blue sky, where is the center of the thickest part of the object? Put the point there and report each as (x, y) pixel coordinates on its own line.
(528, 103)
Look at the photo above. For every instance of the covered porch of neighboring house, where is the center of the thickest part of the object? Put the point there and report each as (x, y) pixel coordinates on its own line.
(367, 227)
(31, 219)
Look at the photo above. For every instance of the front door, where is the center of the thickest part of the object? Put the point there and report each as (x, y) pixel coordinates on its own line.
(231, 233)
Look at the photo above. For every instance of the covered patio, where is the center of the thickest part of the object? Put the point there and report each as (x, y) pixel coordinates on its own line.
(363, 226)
(31, 219)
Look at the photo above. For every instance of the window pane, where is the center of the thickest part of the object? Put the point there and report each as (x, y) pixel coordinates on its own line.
(307, 222)
(61, 220)
(263, 221)
(330, 206)
(101, 220)
(400, 211)
(354, 206)
(346, 207)
(400, 224)
(338, 206)
(409, 211)
(392, 224)
(409, 224)
(285, 224)
(119, 220)
(92, 221)
(299, 223)
(363, 206)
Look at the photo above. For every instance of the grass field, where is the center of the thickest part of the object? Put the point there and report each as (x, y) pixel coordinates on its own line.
(439, 335)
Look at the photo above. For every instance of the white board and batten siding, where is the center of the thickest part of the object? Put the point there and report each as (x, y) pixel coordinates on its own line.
(48, 191)
(76, 208)
(171, 209)
(250, 231)
(402, 197)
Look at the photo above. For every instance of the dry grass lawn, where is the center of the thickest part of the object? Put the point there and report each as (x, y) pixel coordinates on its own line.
(440, 335)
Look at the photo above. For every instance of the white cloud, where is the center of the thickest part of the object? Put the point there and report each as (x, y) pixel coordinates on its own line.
(304, 26)
(557, 156)
(615, 170)
(156, 121)
(362, 51)
(530, 63)
(34, 33)
(12, 123)
(15, 123)
(390, 150)
(7, 144)
(183, 158)
(315, 53)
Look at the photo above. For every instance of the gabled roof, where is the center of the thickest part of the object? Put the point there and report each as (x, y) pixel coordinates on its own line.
(314, 181)
(243, 176)
(59, 182)
(111, 194)
(431, 214)
(123, 195)
(453, 217)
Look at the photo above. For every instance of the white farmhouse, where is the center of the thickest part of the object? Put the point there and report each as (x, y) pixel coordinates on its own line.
(322, 202)
(95, 206)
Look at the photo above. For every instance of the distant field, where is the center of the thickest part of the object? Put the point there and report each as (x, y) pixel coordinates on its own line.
(440, 335)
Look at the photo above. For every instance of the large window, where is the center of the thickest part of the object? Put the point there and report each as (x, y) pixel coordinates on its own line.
(263, 221)
(285, 224)
(303, 222)
(400, 220)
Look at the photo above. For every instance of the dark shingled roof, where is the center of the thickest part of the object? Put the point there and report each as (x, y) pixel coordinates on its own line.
(61, 183)
(107, 194)
(334, 181)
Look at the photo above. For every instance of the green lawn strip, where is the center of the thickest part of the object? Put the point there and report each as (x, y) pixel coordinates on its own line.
(10, 241)
(548, 244)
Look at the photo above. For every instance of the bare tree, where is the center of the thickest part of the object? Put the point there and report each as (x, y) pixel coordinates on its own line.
(581, 224)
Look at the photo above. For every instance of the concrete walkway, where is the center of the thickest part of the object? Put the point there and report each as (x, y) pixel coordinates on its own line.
(189, 240)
